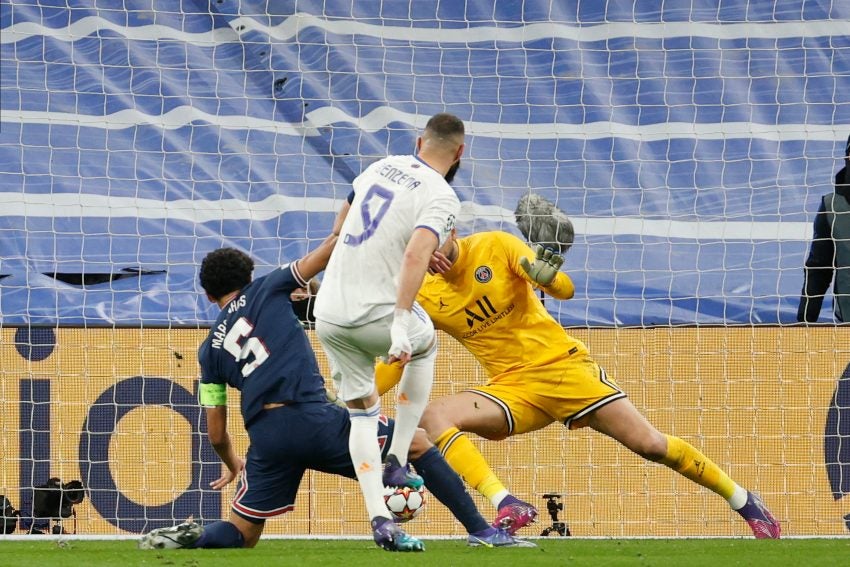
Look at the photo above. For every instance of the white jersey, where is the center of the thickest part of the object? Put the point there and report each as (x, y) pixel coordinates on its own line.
(392, 198)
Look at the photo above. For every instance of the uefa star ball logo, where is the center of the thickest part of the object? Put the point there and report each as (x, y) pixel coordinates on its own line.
(483, 274)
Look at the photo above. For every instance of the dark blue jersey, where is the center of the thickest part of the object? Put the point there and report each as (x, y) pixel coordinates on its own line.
(258, 346)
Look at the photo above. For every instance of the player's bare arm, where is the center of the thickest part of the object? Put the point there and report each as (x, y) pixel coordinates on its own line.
(340, 217)
(417, 255)
(220, 440)
(316, 260)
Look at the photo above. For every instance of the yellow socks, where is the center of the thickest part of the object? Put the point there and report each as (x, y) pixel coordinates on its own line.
(465, 459)
(688, 461)
(387, 376)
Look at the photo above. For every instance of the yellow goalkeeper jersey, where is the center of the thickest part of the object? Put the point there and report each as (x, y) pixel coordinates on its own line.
(488, 303)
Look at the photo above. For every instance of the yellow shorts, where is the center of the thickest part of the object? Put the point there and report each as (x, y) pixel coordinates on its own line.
(567, 392)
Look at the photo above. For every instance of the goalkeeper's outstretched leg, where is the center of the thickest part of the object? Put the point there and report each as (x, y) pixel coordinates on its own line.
(492, 417)
(621, 421)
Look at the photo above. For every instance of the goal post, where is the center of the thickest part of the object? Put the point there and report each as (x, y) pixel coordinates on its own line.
(689, 145)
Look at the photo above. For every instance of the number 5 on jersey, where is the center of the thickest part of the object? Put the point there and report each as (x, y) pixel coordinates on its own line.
(242, 329)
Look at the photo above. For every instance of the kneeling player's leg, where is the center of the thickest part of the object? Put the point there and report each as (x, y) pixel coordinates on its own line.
(446, 486)
(268, 484)
(190, 535)
(444, 483)
(249, 529)
(238, 532)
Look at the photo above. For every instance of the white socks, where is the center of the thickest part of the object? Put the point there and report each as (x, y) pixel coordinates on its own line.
(738, 498)
(413, 394)
(366, 456)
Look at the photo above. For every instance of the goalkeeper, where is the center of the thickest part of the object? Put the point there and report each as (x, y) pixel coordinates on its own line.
(481, 291)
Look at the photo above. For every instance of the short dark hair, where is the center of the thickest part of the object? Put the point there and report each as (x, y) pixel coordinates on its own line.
(224, 271)
(445, 125)
(847, 148)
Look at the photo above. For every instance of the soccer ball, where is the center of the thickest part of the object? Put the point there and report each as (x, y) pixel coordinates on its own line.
(404, 503)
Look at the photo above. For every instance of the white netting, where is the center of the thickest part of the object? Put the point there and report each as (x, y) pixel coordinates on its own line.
(688, 143)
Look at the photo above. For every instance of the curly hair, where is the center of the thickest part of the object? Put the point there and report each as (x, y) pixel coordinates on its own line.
(224, 271)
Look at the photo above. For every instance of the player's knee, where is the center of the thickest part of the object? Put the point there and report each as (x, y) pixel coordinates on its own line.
(434, 421)
(652, 447)
(419, 445)
(250, 531)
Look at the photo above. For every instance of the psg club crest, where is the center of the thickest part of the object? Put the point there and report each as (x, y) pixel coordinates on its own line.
(483, 274)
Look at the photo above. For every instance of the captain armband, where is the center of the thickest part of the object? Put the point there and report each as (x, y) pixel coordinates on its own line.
(212, 394)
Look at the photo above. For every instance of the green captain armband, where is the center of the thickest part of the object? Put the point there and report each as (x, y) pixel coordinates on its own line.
(212, 394)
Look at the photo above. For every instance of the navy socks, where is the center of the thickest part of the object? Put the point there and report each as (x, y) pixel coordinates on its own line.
(447, 487)
(220, 535)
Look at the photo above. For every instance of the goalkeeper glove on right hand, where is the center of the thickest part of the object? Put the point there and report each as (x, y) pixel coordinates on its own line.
(400, 349)
(545, 266)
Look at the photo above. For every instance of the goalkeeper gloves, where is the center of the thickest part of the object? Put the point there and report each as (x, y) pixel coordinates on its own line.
(398, 334)
(545, 266)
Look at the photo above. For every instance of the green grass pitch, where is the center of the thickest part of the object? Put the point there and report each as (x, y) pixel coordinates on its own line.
(442, 553)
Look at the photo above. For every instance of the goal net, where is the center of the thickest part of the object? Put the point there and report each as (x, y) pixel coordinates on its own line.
(690, 144)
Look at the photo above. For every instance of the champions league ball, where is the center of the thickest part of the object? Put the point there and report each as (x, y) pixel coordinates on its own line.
(404, 503)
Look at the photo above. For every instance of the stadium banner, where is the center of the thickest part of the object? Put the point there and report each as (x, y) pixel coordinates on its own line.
(117, 409)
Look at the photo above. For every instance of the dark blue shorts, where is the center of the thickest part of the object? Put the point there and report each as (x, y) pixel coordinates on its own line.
(287, 441)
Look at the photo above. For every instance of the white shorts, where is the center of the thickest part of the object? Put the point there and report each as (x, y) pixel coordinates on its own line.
(352, 351)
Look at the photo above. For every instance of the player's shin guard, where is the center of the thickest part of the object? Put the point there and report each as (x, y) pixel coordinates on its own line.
(464, 458)
(447, 487)
(366, 457)
(688, 461)
(413, 394)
